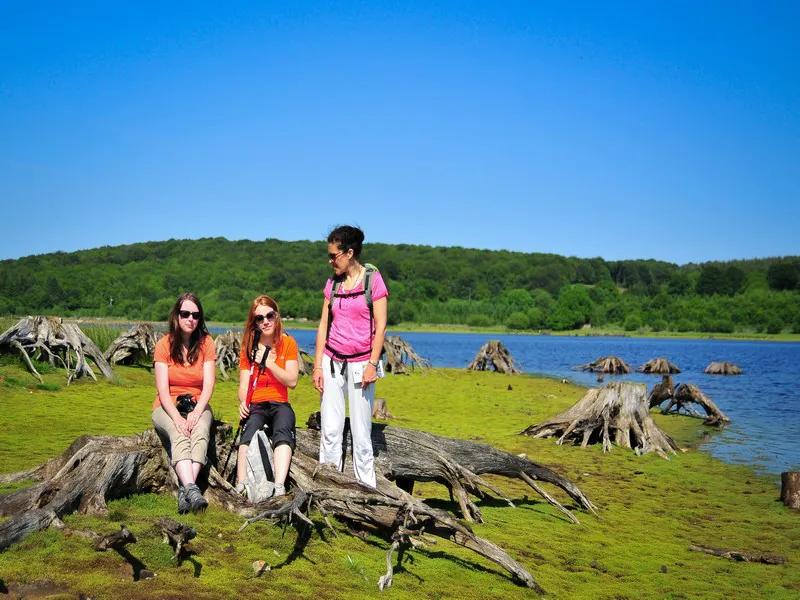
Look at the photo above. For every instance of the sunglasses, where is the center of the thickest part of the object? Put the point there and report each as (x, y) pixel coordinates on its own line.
(270, 316)
(185, 314)
(333, 257)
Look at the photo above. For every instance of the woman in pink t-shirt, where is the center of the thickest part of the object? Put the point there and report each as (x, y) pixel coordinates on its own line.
(349, 346)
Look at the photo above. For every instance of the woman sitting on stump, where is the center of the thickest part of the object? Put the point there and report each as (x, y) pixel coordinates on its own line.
(268, 366)
(185, 375)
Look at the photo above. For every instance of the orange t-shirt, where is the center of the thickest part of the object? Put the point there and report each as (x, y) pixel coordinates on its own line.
(184, 379)
(268, 388)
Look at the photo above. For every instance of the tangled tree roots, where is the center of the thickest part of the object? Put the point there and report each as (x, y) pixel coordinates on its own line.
(620, 409)
(133, 345)
(61, 344)
(607, 364)
(658, 366)
(494, 356)
(399, 355)
(228, 345)
(722, 368)
(687, 394)
(95, 469)
(661, 392)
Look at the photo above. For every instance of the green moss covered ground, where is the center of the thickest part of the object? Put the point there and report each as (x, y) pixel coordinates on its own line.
(651, 510)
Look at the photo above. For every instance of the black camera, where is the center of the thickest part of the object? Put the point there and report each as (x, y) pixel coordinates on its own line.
(185, 404)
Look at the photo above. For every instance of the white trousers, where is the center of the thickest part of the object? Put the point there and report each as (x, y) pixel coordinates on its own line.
(332, 409)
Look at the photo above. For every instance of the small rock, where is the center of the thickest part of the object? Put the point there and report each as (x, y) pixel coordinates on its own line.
(638, 472)
(523, 455)
(509, 388)
(260, 567)
(663, 568)
(219, 535)
(146, 574)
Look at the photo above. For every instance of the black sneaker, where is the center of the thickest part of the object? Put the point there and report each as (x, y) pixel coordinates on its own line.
(195, 497)
(184, 506)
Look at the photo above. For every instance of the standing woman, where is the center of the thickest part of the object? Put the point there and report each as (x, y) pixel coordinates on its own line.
(268, 366)
(349, 345)
(185, 375)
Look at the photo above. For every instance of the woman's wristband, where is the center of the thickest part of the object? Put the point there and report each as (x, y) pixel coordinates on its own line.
(320, 368)
(374, 363)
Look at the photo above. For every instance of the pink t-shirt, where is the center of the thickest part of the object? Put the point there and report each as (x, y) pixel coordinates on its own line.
(350, 332)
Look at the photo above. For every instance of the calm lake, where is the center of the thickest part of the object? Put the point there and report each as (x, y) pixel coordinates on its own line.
(763, 403)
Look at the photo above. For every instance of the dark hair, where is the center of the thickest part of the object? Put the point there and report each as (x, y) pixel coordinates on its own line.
(347, 237)
(250, 326)
(198, 335)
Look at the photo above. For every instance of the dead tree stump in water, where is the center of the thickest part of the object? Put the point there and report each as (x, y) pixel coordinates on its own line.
(229, 345)
(686, 394)
(619, 410)
(399, 355)
(659, 366)
(494, 356)
(790, 489)
(661, 391)
(133, 345)
(61, 344)
(722, 368)
(607, 364)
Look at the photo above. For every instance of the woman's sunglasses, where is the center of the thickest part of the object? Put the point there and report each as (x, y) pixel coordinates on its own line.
(270, 316)
(185, 314)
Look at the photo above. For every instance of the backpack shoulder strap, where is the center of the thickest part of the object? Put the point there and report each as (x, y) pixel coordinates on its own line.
(369, 275)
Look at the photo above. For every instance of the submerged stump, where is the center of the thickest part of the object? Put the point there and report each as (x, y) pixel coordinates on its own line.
(494, 356)
(133, 345)
(659, 366)
(399, 355)
(606, 364)
(722, 368)
(61, 344)
(618, 411)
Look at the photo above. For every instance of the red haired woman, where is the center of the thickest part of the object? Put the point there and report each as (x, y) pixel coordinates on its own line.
(185, 374)
(268, 367)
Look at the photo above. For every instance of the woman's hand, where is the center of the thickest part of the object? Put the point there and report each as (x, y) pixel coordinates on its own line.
(181, 425)
(270, 362)
(370, 375)
(318, 379)
(244, 410)
(191, 419)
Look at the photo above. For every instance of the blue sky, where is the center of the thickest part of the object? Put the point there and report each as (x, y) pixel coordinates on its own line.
(640, 129)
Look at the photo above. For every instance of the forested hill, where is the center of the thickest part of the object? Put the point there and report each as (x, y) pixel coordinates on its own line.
(427, 284)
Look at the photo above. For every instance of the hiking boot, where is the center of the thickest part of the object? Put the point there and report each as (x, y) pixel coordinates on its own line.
(183, 502)
(280, 490)
(195, 497)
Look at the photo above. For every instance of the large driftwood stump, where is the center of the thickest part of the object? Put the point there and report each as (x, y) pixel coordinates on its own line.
(494, 356)
(722, 368)
(61, 344)
(790, 489)
(606, 364)
(305, 362)
(133, 345)
(619, 410)
(658, 366)
(228, 345)
(661, 391)
(95, 469)
(687, 394)
(398, 355)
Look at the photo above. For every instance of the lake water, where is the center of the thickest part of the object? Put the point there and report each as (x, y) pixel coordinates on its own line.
(763, 403)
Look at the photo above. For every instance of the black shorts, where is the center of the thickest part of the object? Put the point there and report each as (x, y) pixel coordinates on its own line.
(279, 418)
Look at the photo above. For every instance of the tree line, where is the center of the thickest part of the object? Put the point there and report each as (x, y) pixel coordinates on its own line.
(438, 285)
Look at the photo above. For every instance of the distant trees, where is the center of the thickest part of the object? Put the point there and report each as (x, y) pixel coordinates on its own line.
(427, 285)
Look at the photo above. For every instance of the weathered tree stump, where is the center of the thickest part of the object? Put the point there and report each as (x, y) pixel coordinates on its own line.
(133, 345)
(228, 345)
(658, 366)
(305, 362)
(494, 356)
(176, 535)
(686, 394)
(61, 344)
(620, 409)
(790, 489)
(722, 368)
(380, 410)
(661, 391)
(398, 355)
(607, 364)
(95, 469)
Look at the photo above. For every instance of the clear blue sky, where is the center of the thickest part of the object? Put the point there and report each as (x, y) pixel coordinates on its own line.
(640, 129)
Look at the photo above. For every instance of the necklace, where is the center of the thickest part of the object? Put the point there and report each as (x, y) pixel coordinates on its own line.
(356, 281)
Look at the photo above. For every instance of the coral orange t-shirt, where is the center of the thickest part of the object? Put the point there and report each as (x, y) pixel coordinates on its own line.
(268, 388)
(184, 379)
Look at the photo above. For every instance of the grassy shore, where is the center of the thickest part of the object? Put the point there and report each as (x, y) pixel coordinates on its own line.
(651, 509)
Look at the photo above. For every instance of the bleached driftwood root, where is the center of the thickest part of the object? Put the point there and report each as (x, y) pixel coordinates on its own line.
(133, 345)
(494, 356)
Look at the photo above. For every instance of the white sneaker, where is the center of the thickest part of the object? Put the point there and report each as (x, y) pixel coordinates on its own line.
(280, 490)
